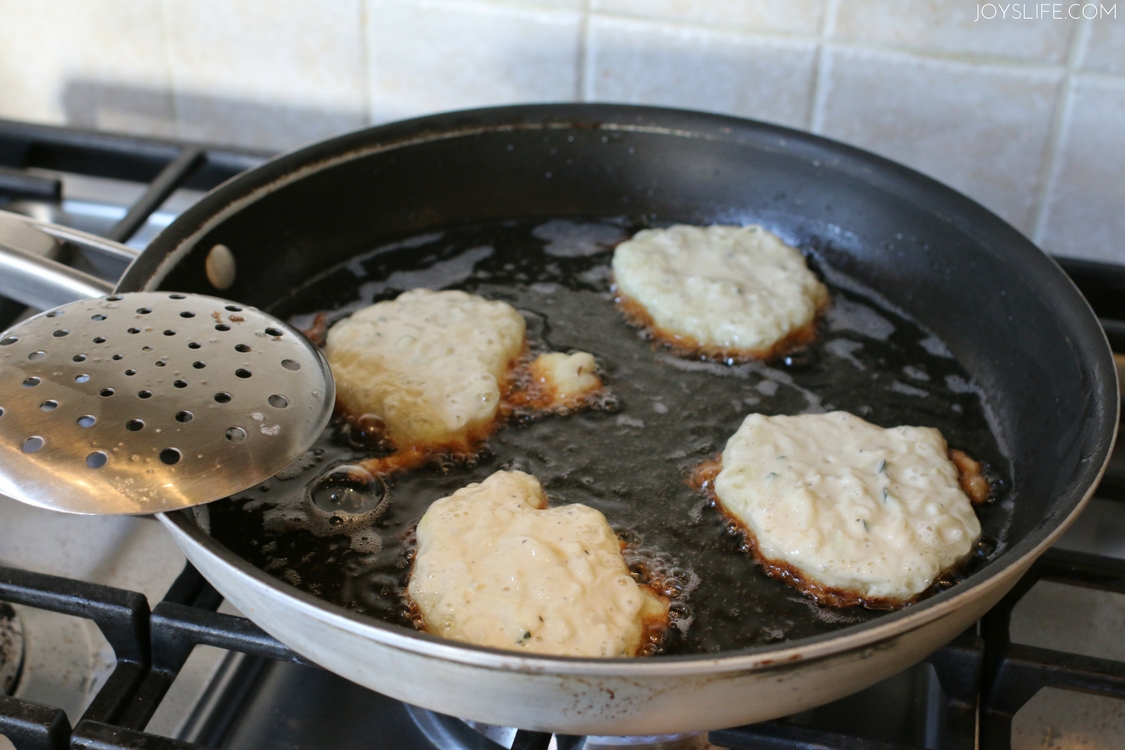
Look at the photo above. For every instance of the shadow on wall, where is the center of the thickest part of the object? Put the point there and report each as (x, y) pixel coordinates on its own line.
(201, 117)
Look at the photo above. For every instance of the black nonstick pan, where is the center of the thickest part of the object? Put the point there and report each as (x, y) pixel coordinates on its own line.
(1005, 335)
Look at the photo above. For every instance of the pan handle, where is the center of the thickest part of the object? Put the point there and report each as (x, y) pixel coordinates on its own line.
(29, 275)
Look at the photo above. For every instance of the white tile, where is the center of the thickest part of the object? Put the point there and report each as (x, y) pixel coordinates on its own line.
(1085, 216)
(1105, 50)
(981, 129)
(577, 5)
(432, 55)
(267, 73)
(639, 62)
(953, 26)
(574, 5)
(96, 65)
(788, 16)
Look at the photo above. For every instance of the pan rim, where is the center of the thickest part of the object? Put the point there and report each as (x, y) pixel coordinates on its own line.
(180, 238)
(812, 648)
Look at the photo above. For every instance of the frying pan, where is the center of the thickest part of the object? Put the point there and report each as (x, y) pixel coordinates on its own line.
(1006, 311)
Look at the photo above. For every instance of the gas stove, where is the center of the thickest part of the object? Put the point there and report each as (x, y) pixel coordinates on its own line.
(108, 639)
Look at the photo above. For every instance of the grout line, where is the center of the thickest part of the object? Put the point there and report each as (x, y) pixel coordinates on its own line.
(784, 36)
(501, 6)
(959, 58)
(582, 80)
(169, 61)
(820, 83)
(1110, 79)
(533, 7)
(825, 33)
(1052, 155)
(365, 16)
(968, 58)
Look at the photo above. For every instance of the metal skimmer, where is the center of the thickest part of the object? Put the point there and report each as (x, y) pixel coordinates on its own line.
(153, 401)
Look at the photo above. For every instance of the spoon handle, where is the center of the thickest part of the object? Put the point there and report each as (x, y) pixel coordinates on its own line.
(29, 273)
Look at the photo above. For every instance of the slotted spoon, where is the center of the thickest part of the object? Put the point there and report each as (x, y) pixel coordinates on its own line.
(153, 401)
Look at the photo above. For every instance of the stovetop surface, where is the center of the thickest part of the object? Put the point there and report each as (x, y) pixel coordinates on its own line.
(125, 646)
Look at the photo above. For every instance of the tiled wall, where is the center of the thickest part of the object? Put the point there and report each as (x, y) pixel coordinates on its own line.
(1027, 116)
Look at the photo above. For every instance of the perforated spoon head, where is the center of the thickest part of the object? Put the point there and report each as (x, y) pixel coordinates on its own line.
(147, 402)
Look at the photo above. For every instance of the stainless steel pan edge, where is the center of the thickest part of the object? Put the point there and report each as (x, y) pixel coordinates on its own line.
(599, 696)
(588, 696)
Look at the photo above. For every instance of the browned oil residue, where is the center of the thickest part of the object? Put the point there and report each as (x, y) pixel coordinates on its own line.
(317, 333)
(654, 629)
(686, 346)
(530, 392)
(464, 451)
(703, 477)
(970, 474)
(656, 622)
(526, 395)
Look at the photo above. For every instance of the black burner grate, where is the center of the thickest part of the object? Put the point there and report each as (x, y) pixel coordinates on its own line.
(161, 164)
(1017, 672)
(151, 648)
(944, 718)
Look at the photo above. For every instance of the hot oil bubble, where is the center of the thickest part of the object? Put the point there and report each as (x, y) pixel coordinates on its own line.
(366, 432)
(655, 569)
(348, 489)
(342, 500)
(366, 542)
(986, 547)
(801, 359)
(347, 499)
